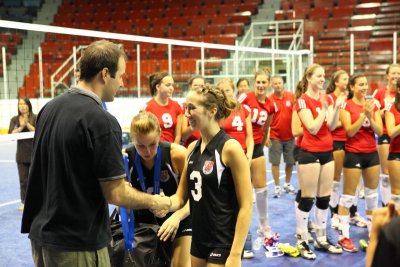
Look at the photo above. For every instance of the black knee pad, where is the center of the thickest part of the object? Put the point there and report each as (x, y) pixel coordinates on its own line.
(306, 204)
(323, 202)
(298, 196)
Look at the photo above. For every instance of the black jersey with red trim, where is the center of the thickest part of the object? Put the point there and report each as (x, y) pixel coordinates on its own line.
(213, 203)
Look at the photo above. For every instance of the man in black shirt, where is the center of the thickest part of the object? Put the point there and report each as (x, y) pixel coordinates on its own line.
(77, 168)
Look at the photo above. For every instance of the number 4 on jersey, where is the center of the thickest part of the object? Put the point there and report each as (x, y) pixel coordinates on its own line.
(237, 123)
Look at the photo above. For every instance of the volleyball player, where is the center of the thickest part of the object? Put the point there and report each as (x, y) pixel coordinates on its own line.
(386, 96)
(315, 160)
(392, 119)
(188, 135)
(242, 85)
(361, 120)
(281, 140)
(238, 126)
(168, 112)
(216, 183)
(262, 110)
(338, 85)
(147, 151)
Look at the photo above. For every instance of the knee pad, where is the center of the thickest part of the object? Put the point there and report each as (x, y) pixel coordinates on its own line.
(396, 200)
(298, 196)
(323, 202)
(346, 201)
(371, 198)
(306, 204)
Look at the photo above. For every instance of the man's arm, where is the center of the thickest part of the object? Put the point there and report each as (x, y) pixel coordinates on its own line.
(120, 193)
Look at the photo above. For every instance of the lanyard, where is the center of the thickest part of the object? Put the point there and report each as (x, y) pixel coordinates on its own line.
(128, 220)
(156, 174)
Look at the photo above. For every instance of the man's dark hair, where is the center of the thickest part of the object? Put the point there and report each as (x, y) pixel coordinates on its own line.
(97, 56)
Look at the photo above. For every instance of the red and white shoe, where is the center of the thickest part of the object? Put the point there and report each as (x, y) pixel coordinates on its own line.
(347, 245)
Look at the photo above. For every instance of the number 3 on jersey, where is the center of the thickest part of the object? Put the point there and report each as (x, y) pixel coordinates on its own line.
(237, 123)
(196, 177)
(167, 120)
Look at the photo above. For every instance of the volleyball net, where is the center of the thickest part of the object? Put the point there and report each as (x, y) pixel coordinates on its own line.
(39, 62)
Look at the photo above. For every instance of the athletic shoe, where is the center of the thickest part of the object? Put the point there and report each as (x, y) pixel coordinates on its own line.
(335, 222)
(305, 250)
(363, 245)
(347, 245)
(310, 238)
(273, 252)
(358, 221)
(289, 250)
(327, 246)
(277, 192)
(248, 254)
(288, 188)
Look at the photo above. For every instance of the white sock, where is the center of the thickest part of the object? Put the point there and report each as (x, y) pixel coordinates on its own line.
(344, 230)
(262, 206)
(334, 201)
(301, 221)
(321, 217)
(385, 188)
(357, 194)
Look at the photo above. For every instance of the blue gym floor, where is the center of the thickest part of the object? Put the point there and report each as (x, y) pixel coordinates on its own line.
(15, 248)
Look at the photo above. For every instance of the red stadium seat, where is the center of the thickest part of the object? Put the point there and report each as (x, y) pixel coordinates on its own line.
(213, 29)
(236, 28)
(319, 12)
(342, 11)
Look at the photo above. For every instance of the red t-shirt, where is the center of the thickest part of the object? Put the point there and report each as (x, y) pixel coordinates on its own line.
(339, 134)
(259, 113)
(364, 140)
(167, 117)
(235, 126)
(384, 102)
(281, 123)
(322, 141)
(395, 142)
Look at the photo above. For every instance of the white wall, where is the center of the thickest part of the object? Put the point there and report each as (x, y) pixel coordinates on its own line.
(122, 108)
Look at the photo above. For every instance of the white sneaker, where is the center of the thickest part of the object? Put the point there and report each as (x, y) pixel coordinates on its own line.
(335, 222)
(288, 188)
(248, 254)
(358, 221)
(277, 192)
(361, 193)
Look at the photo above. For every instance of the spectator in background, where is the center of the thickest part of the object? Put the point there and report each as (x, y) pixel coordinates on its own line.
(24, 122)
(280, 138)
(168, 112)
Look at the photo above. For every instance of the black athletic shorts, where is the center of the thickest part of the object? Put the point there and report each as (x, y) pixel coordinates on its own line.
(338, 145)
(185, 227)
(360, 160)
(394, 156)
(210, 254)
(384, 139)
(258, 151)
(306, 157)
(296, 151)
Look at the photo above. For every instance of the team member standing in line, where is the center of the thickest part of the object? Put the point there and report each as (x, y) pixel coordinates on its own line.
(217, 185)
(242, 86)
(361, 119)
(281, 140)
(315, 160)
(188, 135)
(24, 122)
(392, 118)
(77, 168)
(147, 149)
(262, 110)
(337, 86)
(386, 96)
(168, 111)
